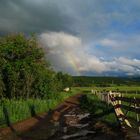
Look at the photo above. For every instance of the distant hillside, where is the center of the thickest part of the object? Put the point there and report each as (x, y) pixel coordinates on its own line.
(105, 81)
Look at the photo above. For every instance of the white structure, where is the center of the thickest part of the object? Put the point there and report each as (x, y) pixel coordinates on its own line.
(66, 89)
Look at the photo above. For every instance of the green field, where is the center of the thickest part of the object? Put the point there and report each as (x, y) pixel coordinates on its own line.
(128, 90)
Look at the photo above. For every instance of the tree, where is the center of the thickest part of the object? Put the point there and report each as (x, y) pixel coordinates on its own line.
(22, 63)
(24, 70)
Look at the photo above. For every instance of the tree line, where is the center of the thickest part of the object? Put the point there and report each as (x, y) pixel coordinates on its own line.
(24, 70)
(104, 81)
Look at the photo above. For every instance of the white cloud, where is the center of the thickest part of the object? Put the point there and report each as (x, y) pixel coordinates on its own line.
(131, 62)
(63, 50)
(68, 53)
(60, 39)
(119, 44)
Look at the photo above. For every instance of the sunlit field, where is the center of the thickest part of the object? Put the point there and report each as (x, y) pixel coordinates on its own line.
(126, 90)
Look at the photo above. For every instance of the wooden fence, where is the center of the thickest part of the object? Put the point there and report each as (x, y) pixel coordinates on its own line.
(127, 109)
(123, 107)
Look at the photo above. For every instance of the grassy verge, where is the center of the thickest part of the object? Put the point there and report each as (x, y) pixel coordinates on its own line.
(18, 110)
(132, 115)
(123, 89)
(95, 106)
(132, 95)
(100, 110)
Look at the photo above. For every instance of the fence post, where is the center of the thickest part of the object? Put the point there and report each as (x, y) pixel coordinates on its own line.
(137, 115)
(120, 100)
(138, 120)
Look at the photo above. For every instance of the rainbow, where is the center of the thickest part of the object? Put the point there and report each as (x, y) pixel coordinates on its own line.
(73, 63)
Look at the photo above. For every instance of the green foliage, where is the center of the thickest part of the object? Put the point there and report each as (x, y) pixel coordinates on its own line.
(27, 83)
(24, 70)
(20, 109)
(87, 81)
(21, 60)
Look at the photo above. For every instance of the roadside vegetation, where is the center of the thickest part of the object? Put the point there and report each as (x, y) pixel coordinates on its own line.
(28, 84)
(21, 109)
(100, 110)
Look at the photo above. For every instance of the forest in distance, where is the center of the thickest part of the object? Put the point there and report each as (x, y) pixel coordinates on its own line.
(105, 81)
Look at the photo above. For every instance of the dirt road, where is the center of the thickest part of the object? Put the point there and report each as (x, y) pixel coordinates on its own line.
(66, 122)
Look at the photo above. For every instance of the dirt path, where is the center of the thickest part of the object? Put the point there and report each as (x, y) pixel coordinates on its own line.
(67, 121)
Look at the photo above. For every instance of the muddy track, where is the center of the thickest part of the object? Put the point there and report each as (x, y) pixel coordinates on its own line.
(67, 121)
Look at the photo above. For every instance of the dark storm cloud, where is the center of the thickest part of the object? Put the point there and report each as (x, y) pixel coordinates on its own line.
(84, 36)
(32, 16)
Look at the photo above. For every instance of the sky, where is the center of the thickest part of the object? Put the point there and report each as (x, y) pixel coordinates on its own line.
(80, 37)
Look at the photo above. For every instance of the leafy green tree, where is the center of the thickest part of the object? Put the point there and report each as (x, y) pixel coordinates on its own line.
(24, 70)
(22, 64)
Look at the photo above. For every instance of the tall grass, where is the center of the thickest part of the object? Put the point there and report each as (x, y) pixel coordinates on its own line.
(21, 109)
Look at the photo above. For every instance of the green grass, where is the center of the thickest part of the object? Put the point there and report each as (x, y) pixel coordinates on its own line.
(132, 95)
(93, 104)
(130, 113)
(127, 91)
(20, 109)
(100, 110)
(124, 89)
